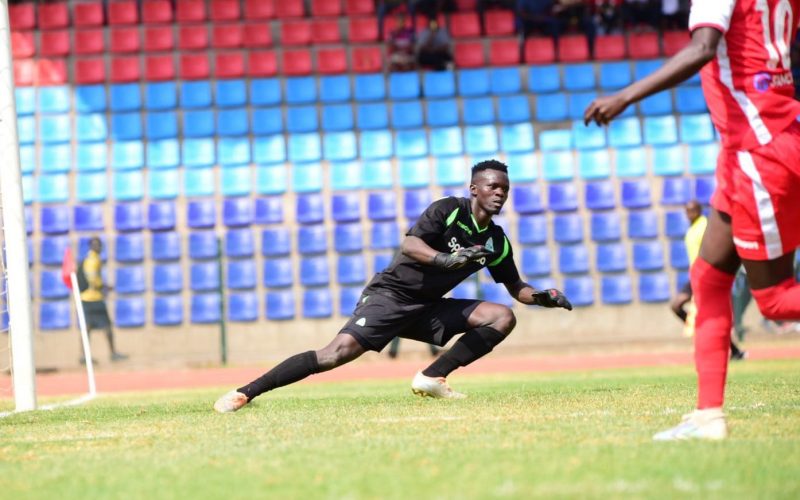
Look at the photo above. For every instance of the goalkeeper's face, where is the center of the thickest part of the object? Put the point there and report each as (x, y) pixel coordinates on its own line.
(489, 188)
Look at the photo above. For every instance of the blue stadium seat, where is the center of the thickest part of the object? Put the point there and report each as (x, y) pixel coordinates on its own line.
(478, 110)
(659, 130)
(678, 257)
(168, 310)
(126, 126)
(668, 160)
(201, 214)
(198, 152)
(52, 129)
(236, 181)
(591, 137)
(558, 166)
(577, 102)
(345, 175)
(310, 208)
(55, 158)
(616, 289)
(126, 97)
(269, 210)
(346, 207)
(338, 117)
(606, 226)
(611, 257)
(165, 246)
(703, 158)
(88, 99)
(51, 188)
(377, 174)
(206, 308)
(196, 95)
(54, 99)
(26, 130)
(555, 140)
(237, 212)
(446, 141)
(568, 228)
(312, 239)
(204, 276)
(516, 138)
(532, 229)
(579, 77)
(301, 119)
(504, 81)
(91, 127)
(161, 216)
(314, 271)
(644, 68)
(278, 273)
(233, 122)
(642, 224)
(240, 243)
(442, 112)
(407, 114)
(690, 99)
(473, 82)
(265, 92)
(348, 238)
(267, 121)
(51, 285)
(562, 197)
(129, 312)
(497, 293)
(167, 278)
(573, 259)
(129, 279)
(27, 158)
(384, 235)
(527, 199)
(675, 224)
(129, 217)
(615, 75)
(703, 189)
(625, 132)
(551, 107)
(376, 144)
(231, 93)
(127, 155)
(160, 95)
(404, 86)
(381, 261)
(414, 172)
(55, 315)
(543, 79)
(301, 89)
(631, 162)
(696, 129)
(203, 245)
(280, 305)
(536, 261)
(198, 182)
(372, 116)
(199, 123)
(163, 154)
(54, 219)
(513, 109)
(411, 144)
(351, 269)
(317, 303)
(657, 104)
(648, 256)
(129, 247)
(241, 274)
(600, 195)
(25, 100)
(382, 205)
(415, 202)
(88, 217)
(271, 179)
(579, 290)
(348, 299)
(654, 287)
(51, 251)
(636, 193)
(451, 171)
(676, 191)
(334, 88)
(243, 306)
(466, 290)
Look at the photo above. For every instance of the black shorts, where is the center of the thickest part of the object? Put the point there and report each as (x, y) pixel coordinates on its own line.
(96, 315)
(378, 319)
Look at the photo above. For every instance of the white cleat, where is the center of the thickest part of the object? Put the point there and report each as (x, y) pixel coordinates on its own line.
(700, 424)
(433, 387)
(230, 402)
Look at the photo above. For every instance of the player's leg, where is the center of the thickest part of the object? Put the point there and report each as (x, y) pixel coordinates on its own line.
(679, 301)
(774, 287)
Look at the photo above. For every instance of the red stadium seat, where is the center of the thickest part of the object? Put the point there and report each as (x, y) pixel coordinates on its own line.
(125, 69)
(156, 12)
(674, 41)
(24, 72)
(51, 71)
(504, 52)
(54, 43)
(331, 61)
(123, 12)
(289, 8)
(296, 62)
(125, 40)
(22, 44)
(466, 5)
(259, 9)
(88, 14)
(227, 36)
(159, 67)
(190, 11)
(193, 37)
(363, 29)
(22, 16)
(194, 66)
(158, 38)
(90, 41)
(469, 55)
(90, 70)
(263, 63)
(389, 25)
(500, 22)
(325, 31)
(225, 10)
(53, 15)
(573, 48)
(465, 25)
(540, 50)
(643, 46)
(367, 59)
(296, 32)
(229, 65)
(326, 8)
(359, 7)
(257, 35)
(609, 47)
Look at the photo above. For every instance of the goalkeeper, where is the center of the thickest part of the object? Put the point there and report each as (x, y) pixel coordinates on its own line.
(453, 238)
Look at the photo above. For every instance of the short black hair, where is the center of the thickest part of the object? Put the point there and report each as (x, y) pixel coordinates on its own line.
(490, 165)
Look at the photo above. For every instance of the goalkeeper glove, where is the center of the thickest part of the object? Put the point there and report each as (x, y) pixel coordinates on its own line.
(459, 259)
(551, 298)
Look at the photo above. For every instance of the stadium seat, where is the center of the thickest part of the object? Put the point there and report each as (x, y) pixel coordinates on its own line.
(295, 32)
(129, 279)
(51, 188)
(442, 112)
(573, 48)
(527, 199)
(594, 164)
(129, 217)
(55, 219)
(346, 207)
(654, 287)
(236, 181)
(88, 14)
(52, 129)
(381, 261)
(676, 191)
(159, 39)
(451, 171)
(334, 89)
(504, 52)
(562, 197)
(516, 139)
(126, 126)
(478, 110)
(558, 165)
(544, 79)
(532, 229)
(703, 158)
(568, 228)
(307, 178)
(265, 92)
(317, 303)
(241, 274)
(376, 144)
(551, 107)
(55, 315)
(239, 243)
(201, 214)
(363, 29)
(301, 90)
(278, 273)
(161, 125)
(605, 226)
(348, 299)
(312, 239)
(167, 309)
(331, 61)
(469, 54)
(87, 217)
(513, 109)
(480, 140)
(438, 84)
(125, 97)
(648, 256)
(372, 116)
(196, 95)
(203, 245)
(600, 195)
(304, 148)
(314, 271)
(446, 141)
(267, 121)
(345, 175)
(91, 187)
(262, 63)
(348, 238)
(414, 173)
(161, 96)
(198, 123)
(163, 184)
(703, 189)
(204, 276)
(656, 104)
(415, 202)
(233, 122)
(310, 209)
(377, 174)
(242, 307)
(539, 50)
(198, 182)
(51, 250)
(384, 235)
(642, 224)
(536, 261)
(497, 293)
(369, 87)
(339, 117)
(382, 205)
(269, 210)
(55, 158)
(227, 36)
(675, 224)
(206, 308)
(573, 259)
(660, 130)
(668, 160)
(610, 47)
(591, 137)
(351, 269)
(636, 193)
(404, 86)
(26, 129)
(615, 75)
(502, 81)
(474, 82)
(280, 305)
(237, 212)
(406, 114)
(696, 129)
(678, 257)
(51, 285)
(129, 247)
(129, 312)
(55, 99)
(579, 77)
(625, 132)
(580, 290)
(411, 144)
(165, 246)
(616, 289)
(690, 99)
(631, 162)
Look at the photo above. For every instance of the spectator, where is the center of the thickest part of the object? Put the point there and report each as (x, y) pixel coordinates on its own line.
(433, 47)
(641, 12)
(484, 5)
(431, 8)
(537, 16)
(385, 7)
(608, 15)
(674, 14)
(401, 45)
(576, 13)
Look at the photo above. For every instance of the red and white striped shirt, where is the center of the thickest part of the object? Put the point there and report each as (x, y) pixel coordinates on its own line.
(748, 86)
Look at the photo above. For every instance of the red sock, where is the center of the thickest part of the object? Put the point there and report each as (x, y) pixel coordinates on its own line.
(781, 301)
(712, 338)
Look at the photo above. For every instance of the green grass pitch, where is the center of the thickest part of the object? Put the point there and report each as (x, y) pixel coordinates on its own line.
(563, 435)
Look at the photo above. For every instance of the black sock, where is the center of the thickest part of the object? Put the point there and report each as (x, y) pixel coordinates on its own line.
(290, 371)
(471, 346)
(681, 313)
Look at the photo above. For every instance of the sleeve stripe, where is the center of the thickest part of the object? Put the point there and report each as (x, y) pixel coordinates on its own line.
(716, 26)
(506, 248)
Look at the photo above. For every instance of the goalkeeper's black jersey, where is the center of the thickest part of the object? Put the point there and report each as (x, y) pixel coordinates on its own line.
(447, 225)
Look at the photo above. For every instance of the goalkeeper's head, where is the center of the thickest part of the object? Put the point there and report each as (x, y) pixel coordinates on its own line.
(489, 185)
